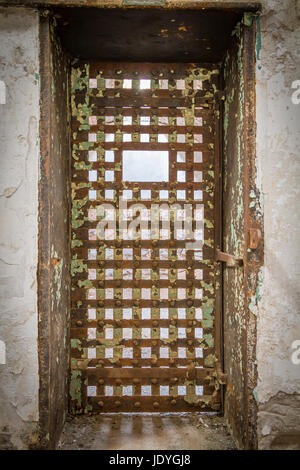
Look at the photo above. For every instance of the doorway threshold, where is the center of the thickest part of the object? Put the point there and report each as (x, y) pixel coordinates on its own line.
(146, 431)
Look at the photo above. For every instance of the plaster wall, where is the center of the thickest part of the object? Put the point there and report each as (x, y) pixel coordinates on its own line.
(278, 176)
(19, 166)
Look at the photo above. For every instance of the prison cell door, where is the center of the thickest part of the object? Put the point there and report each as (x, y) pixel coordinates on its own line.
(145, 312)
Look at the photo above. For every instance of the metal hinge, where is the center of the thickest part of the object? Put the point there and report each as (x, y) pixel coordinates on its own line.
(230, 260)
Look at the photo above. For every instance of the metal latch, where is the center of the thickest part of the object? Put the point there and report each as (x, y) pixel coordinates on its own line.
(230, 260)
(255, 237)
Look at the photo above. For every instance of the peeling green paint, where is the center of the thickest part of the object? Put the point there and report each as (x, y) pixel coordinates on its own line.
(75, 385)
(210, 360)
(209, 340)
(83, 166)
(76, 344)
(77, 212)
(76, 243)
(58, 274)
(258, 40)
(77, 266)
(249, 18)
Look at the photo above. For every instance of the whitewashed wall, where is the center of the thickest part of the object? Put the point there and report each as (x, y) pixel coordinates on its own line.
(19, 163)
(278, 161)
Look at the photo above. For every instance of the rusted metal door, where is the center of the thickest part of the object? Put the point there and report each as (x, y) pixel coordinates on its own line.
(145, 309)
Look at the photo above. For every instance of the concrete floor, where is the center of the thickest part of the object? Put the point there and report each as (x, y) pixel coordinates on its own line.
(181, 431)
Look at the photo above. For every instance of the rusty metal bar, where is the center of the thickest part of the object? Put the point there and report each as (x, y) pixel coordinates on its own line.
(230, 260)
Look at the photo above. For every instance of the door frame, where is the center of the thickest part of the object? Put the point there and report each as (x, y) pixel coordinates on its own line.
(49, 434)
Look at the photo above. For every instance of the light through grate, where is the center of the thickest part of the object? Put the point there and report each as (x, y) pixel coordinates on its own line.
(144, 309)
